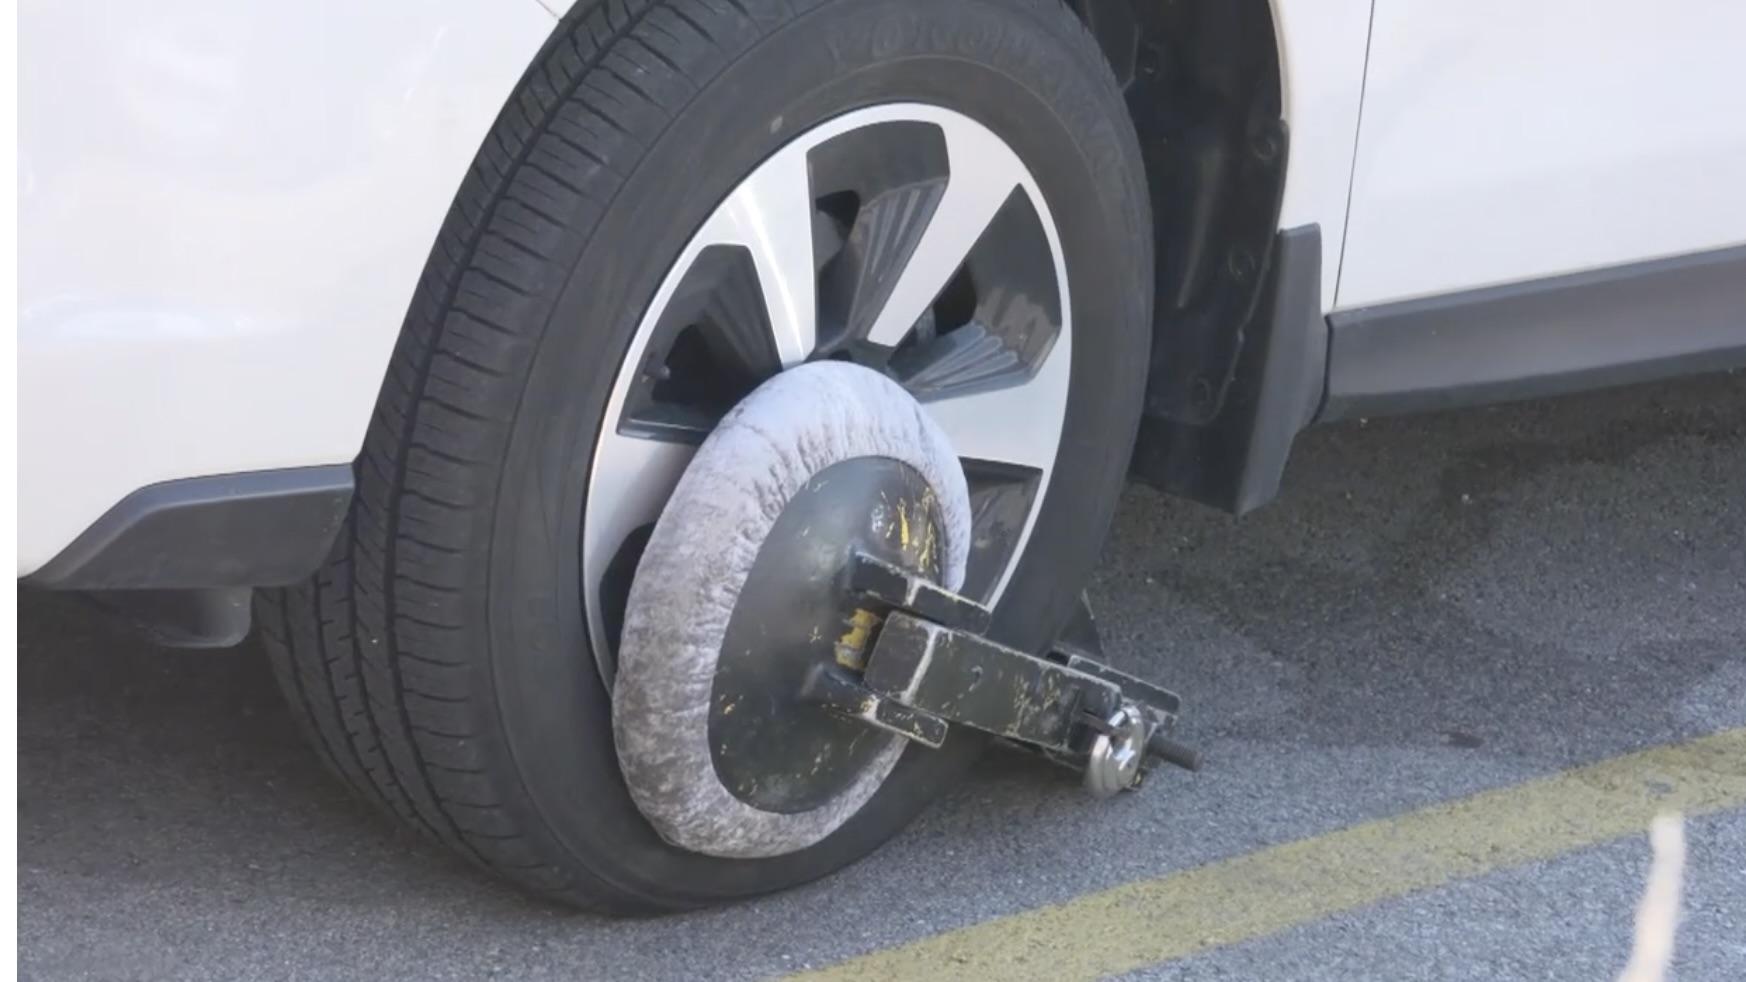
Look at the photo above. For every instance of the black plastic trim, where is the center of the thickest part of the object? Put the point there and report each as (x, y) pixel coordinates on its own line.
(219, 617)
(263, 528)
(1235, 461)
(1623, 324)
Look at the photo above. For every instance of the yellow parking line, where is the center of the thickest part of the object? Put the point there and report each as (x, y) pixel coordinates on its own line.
(1250, 896)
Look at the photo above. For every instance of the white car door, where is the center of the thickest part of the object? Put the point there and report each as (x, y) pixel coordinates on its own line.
(1508, 140)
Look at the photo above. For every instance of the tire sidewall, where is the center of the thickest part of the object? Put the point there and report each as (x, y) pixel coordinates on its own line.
(1008, 64)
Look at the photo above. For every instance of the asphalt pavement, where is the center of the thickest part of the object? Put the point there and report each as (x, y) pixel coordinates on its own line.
(1438, 607)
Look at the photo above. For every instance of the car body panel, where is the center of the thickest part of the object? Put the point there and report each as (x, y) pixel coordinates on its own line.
(1504, 141)
(1321, 58)
(223, 211)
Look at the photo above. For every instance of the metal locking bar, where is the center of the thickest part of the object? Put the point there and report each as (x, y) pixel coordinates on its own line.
(931, 665)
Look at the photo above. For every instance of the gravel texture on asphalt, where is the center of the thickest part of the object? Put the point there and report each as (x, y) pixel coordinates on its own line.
(1436, 606)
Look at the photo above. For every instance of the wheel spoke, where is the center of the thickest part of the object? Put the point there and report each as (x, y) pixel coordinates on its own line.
(633, 477)
(771, 214)
(983, 173)
(1019, 425)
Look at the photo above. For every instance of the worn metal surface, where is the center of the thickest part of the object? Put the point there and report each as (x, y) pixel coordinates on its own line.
(963, 677)
(772, 747)
(929, 666)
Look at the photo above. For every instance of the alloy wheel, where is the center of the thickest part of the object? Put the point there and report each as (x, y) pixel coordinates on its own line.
(907, 238)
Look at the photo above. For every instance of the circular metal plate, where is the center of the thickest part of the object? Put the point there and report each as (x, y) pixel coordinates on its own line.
(699, 562)
(771, 749)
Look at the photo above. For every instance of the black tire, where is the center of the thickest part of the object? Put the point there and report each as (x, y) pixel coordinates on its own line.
(440, 660)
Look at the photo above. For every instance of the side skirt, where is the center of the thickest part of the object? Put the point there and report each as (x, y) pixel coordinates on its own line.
(1631, 323)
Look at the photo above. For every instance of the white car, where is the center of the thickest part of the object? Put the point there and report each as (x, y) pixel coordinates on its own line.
(388, 327)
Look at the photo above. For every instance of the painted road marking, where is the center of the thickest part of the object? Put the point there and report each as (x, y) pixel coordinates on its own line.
(1250, 896)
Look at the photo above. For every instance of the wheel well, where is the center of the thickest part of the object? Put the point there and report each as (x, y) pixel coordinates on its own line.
(1203, 85)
